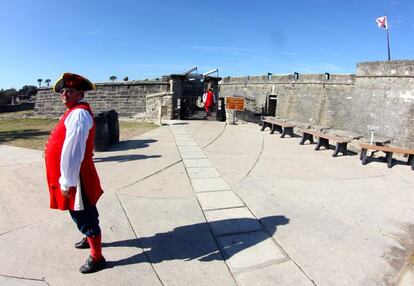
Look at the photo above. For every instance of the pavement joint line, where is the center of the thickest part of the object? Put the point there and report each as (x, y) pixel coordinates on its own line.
(212, 141)
(255, 163)
(155, 198)
(228, 208)
(25, 278)
(240, 232)
(148, 176)
(207, 177)
(32, 224)
(213, 191)
(136, 236)
(272, 262)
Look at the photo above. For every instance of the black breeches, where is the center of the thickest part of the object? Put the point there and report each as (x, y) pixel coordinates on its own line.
(87, 220)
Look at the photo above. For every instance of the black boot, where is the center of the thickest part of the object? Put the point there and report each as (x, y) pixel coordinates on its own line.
(92, 266)
(83, 244)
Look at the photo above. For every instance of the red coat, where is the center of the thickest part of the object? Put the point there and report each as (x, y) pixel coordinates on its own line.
(209, 99)
(53, 151)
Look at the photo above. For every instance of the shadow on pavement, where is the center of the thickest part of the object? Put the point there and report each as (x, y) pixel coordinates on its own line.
(124, 158)
(383, 160)
(130, 144)
(178, 123)
(193, 242)
(7, 136)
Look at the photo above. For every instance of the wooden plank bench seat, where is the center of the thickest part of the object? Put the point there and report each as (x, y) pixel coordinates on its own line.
(341, 143)
(280, 125)
(388, 150)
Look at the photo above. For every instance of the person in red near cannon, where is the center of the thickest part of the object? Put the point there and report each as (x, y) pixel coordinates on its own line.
(72, 179)
(209, 100)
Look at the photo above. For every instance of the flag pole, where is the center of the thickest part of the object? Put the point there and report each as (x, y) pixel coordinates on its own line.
(388, 45)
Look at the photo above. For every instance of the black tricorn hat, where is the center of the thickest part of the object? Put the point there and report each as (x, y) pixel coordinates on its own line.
(71, 80)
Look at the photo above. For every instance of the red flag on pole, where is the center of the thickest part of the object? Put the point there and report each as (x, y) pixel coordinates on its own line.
(382, 22)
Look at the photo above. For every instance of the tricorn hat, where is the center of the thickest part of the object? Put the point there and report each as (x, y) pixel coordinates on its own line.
(71, 80)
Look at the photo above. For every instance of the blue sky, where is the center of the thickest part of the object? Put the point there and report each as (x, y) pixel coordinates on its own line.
(148, 39)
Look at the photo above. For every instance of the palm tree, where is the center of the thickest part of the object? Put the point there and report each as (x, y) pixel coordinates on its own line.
(40, 82)
(47, 81)
(113, 78)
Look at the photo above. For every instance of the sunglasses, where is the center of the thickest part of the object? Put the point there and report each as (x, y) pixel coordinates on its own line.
(68, 91)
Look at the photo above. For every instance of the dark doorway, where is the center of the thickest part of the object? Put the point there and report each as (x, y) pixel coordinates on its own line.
(270, 105)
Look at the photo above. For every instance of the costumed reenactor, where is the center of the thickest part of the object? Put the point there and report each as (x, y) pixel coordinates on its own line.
(209, 100)
(72, 179)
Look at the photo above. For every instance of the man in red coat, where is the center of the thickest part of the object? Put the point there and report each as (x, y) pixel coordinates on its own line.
(71, 175)
(209, 100)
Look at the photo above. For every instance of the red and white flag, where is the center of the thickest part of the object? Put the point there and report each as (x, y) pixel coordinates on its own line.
(382, 22)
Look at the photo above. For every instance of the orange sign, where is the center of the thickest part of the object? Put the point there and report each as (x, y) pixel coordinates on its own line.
(235, 103)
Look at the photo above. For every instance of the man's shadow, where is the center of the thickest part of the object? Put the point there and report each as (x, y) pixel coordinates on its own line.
(195, 241)
(124, 158)
(131, 144)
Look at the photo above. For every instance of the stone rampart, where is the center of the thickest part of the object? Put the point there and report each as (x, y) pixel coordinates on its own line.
(159, 107)
(127, 98)
(379, 96)
(383, 100)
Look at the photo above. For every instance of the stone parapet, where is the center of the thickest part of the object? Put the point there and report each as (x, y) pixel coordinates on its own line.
(159, 107)
(386, 69)
(127, 98)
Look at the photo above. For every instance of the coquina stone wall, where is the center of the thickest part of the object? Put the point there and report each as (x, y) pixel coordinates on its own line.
(379, 96)
(159, 106)
(308, 99)
(383, 100)
(127, 98)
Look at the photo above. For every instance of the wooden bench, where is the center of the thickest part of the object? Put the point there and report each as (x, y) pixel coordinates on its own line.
(388, 150)
(277, 124)
(323, 140)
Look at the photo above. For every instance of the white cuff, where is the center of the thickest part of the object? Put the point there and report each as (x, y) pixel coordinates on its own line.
(64, 188)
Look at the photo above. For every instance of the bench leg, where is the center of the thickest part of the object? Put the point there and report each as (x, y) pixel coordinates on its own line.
(287, 131)
(272, 129)
(363, 156)
(388, 158)
(264, 125)
(322, 142)
(277, 128)
(340, 147)
(410, 161)
(305, 137)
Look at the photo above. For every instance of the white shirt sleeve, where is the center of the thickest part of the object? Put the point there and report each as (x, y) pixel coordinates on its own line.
(78, 123)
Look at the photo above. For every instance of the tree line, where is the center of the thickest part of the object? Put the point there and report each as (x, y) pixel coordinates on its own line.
(8, 96)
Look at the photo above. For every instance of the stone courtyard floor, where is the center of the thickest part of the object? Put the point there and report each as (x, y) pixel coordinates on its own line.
(209, 203)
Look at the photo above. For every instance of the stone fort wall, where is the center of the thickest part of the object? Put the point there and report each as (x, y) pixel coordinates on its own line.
(127, 98)
(379, 96)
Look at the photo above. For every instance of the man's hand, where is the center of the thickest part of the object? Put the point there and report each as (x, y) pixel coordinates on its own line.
(65, 194)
